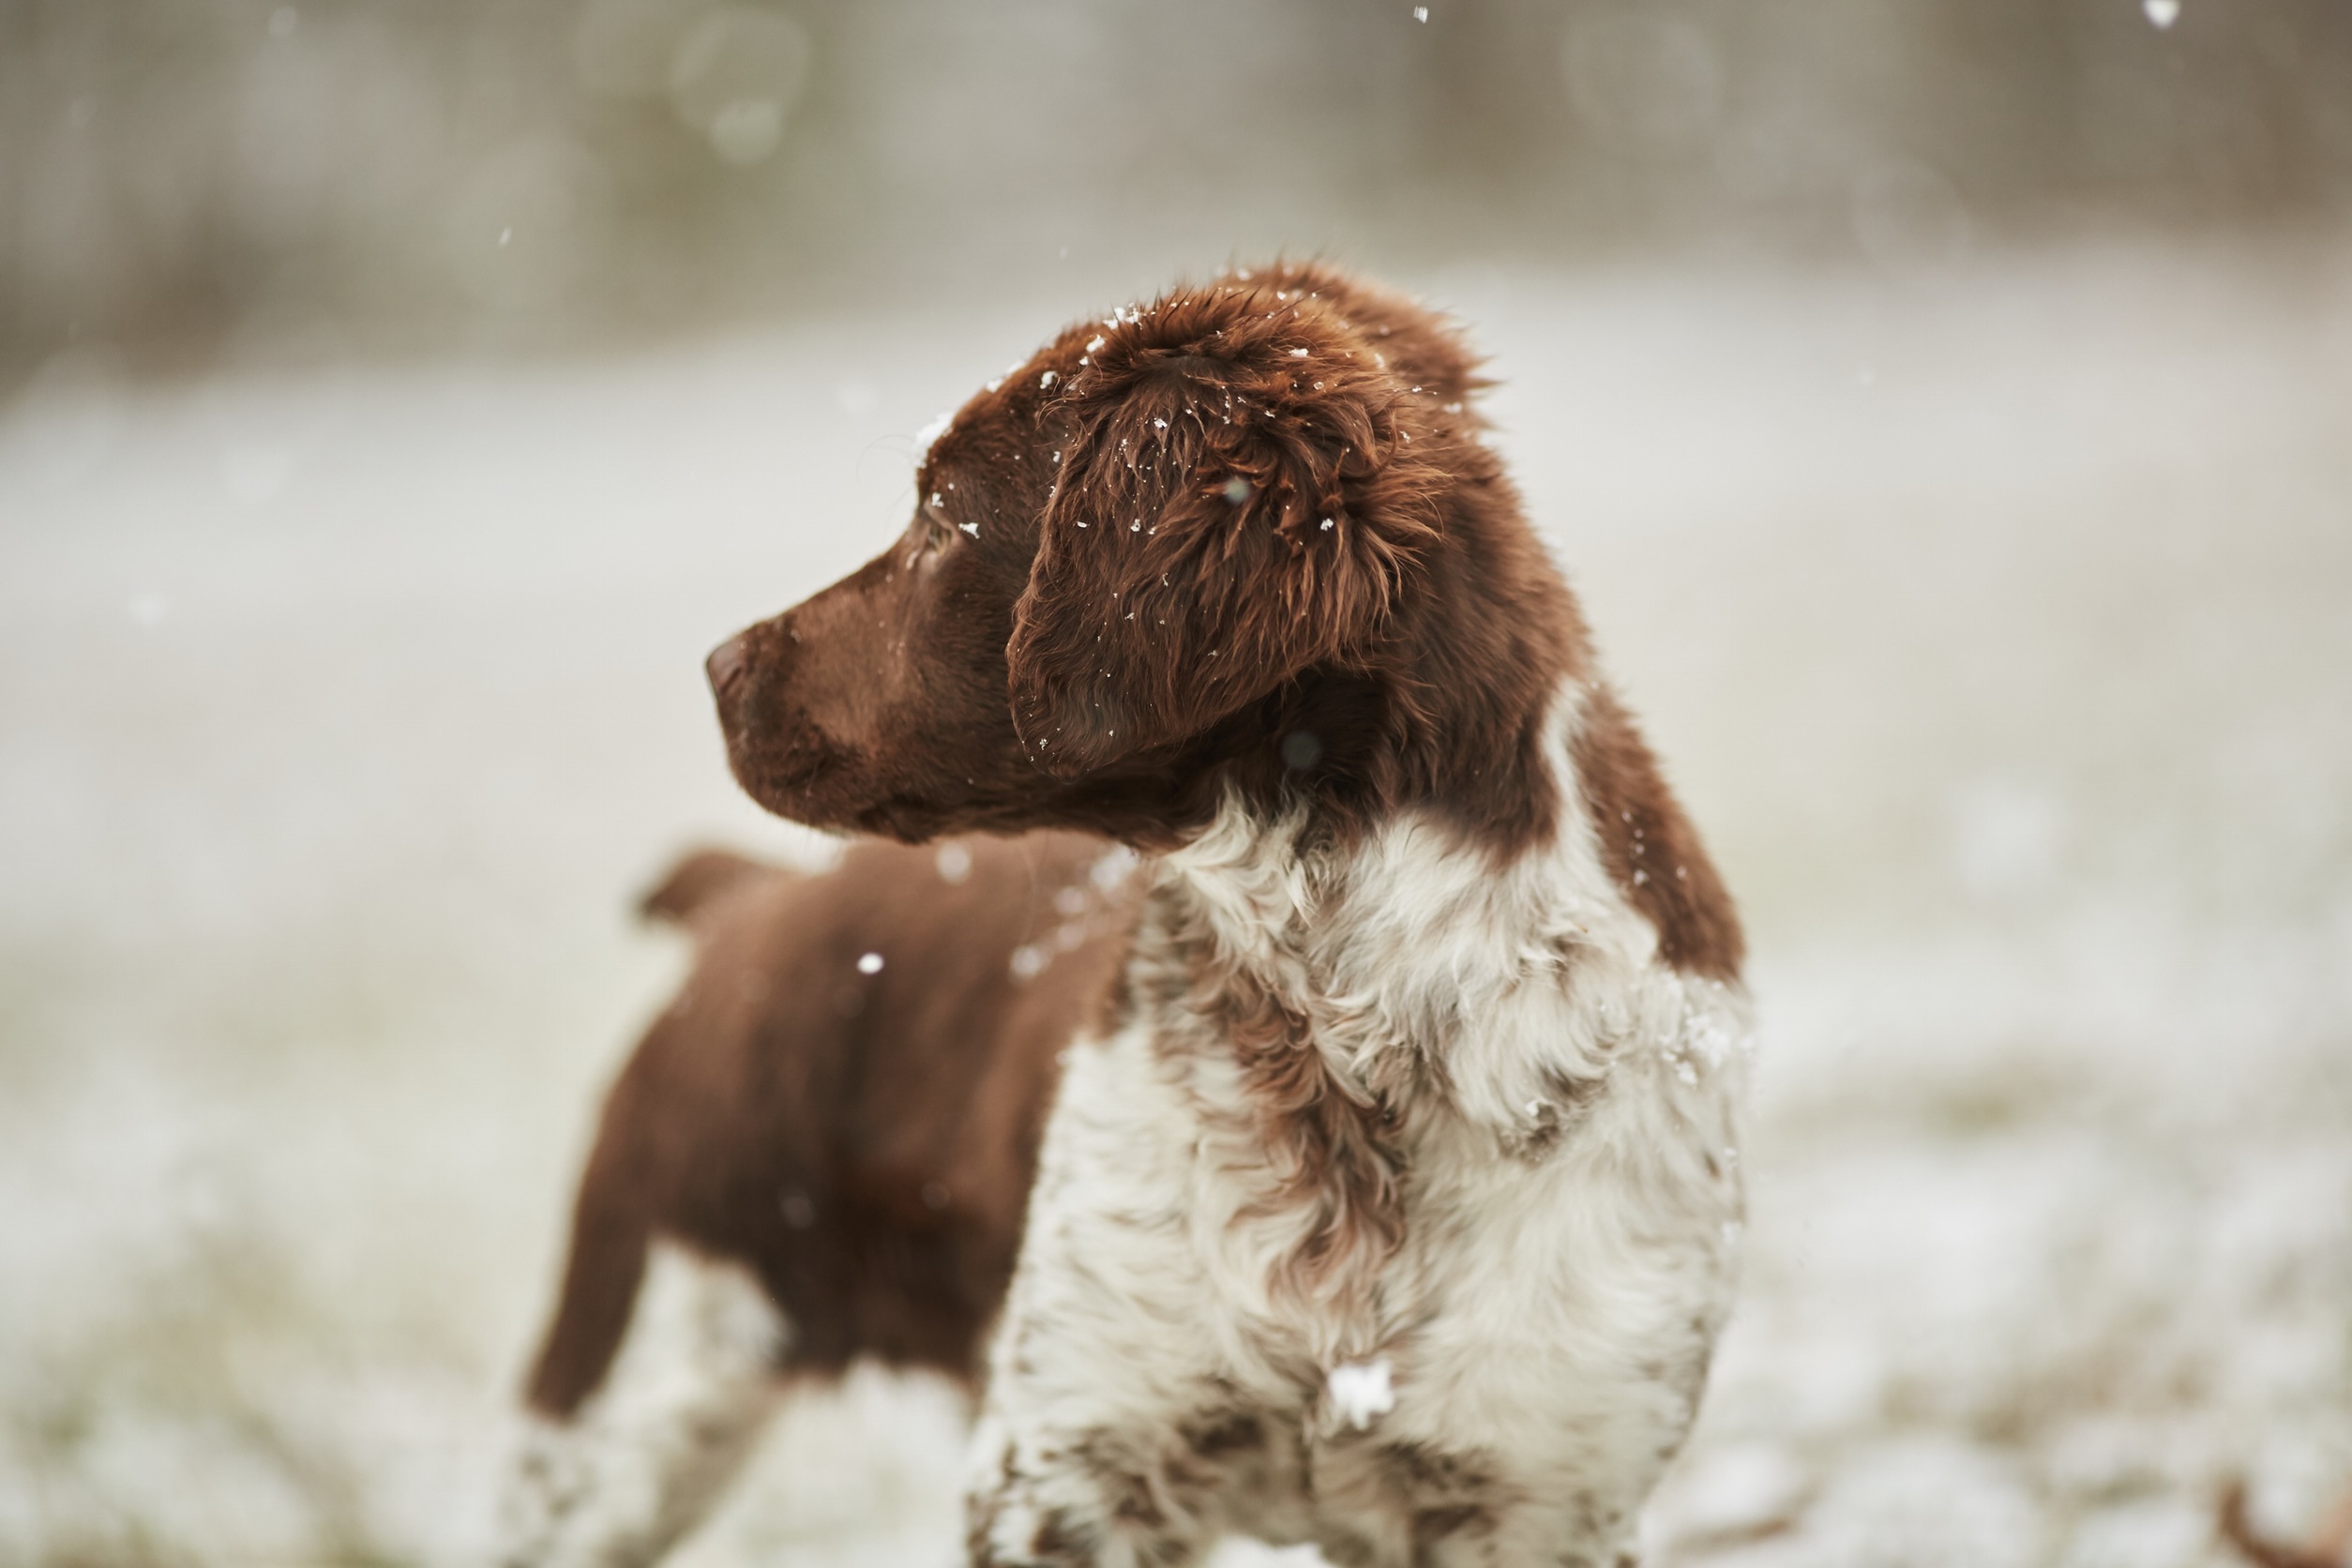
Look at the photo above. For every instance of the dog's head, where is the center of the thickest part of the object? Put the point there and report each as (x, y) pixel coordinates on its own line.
(1192, 535)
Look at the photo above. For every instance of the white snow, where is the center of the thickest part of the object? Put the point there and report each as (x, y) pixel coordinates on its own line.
(1360, 1391)
(1112, 870)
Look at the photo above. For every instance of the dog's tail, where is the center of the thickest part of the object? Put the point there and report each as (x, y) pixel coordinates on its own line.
(609, 1235)
(697, 883)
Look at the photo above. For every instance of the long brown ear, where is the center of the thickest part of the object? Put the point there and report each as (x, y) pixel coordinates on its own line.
(1236, 499)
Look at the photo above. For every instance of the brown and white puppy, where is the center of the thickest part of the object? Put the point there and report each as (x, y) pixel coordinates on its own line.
(1387, 1194)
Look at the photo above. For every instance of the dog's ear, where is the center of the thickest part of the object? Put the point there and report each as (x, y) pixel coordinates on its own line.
(1236, 498)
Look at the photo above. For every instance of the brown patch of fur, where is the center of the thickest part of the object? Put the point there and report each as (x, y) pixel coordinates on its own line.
(1446, 1495)
(1061, 1538)
(1126, 1487)
(983, 1506)
(1135, 1514)
(1432, 1525)
(1220, 1434)
(1329, 1151)
(1419, 1470)
(1347, 1550)
(1154, 1496)
(872, 1164)
(1566, 1102)
(1650, 847)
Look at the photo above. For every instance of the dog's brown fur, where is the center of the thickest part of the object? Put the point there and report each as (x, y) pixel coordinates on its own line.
(863, 1142)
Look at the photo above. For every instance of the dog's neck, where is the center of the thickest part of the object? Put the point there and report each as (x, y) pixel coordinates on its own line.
(1447, 725)
(1379, 941)
(1360, 994)
(1427, 846)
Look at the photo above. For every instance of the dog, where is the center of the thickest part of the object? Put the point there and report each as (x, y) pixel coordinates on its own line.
(1282, 1042)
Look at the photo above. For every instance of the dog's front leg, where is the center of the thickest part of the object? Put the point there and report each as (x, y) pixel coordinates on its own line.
(1078, 1500)
(1114, 1424)
(1106, 1435)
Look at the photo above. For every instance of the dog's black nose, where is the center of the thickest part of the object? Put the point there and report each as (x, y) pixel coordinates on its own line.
(725, 665)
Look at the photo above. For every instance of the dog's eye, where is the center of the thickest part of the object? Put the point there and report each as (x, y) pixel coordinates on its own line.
(932, 531)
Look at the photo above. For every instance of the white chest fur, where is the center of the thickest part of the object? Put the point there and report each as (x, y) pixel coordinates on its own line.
(1513, 1237)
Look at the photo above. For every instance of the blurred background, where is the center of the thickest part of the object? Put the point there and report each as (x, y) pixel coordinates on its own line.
(1944, 409)
(183, 181)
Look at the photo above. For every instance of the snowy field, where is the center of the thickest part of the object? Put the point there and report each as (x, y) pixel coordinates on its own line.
(1997, 624)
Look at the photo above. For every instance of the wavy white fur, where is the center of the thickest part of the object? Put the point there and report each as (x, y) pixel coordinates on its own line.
(1566, 1123)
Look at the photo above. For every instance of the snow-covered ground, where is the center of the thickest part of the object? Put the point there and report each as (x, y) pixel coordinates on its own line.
(1997, 626)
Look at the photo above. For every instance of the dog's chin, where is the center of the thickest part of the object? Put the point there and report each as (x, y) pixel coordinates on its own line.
(908, 822)
(836, 811)
(836, 799)
(801, 777)
(816, 801)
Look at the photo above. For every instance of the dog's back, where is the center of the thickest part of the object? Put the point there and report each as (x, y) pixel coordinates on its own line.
(845, 1096)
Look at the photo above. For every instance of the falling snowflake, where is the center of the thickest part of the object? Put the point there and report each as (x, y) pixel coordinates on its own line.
(1361, 1390)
